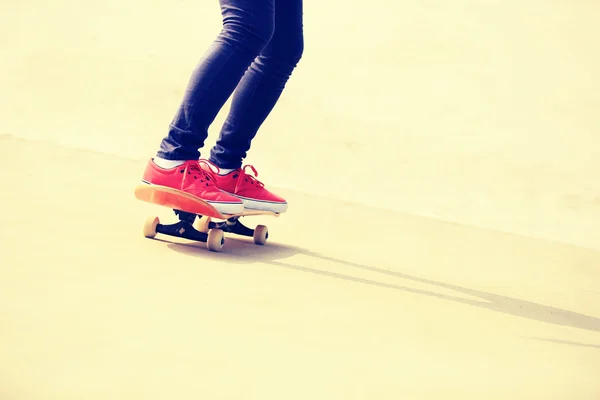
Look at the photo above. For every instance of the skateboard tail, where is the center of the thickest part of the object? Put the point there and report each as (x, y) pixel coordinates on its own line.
(175, 199)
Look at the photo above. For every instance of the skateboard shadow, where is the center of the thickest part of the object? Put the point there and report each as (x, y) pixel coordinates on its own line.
(566, 342)
(490, 301)
(275, 254)
(236, 250)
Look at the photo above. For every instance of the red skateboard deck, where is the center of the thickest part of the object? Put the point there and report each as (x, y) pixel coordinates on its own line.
(178, 200)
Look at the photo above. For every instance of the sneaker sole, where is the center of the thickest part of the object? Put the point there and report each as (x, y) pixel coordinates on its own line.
(262, 205)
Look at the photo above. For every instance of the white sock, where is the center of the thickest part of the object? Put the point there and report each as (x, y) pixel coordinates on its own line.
(224, 171)
(167, 164)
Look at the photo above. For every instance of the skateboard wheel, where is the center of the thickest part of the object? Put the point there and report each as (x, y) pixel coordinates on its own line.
(216, 240)
(150, 226)
(261, 234)
(201, 224)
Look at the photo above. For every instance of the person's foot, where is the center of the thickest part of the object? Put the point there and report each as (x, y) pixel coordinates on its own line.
(190, 178)
(245, 187)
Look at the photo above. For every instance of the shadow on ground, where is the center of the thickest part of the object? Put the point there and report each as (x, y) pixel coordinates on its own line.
(242, 251)
(566, 342)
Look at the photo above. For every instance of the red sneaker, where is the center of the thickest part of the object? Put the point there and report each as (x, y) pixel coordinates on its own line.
(246, 187)
(190, 178)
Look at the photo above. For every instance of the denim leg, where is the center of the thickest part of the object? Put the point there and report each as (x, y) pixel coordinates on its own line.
(261, 86)
(248, 26)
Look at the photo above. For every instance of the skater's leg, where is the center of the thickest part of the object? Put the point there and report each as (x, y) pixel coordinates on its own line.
(248, 26)
(261, 86)
(253, 100)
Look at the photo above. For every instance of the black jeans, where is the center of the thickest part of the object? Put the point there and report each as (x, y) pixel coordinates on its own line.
(255, 53)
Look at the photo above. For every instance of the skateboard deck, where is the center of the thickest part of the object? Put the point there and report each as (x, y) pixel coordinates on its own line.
(189, 208)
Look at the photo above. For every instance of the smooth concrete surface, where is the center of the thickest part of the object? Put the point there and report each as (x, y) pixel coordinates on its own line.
(442, 164)
(355, 303)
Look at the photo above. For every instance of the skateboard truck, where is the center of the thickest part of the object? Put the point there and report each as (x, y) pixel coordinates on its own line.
(214, 238)
(204, 230)
(260, 234)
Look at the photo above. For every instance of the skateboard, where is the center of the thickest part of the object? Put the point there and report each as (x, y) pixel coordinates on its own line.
(196, 218)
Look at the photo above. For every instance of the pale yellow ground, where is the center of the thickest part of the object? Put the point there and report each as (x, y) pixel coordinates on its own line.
(401, 116)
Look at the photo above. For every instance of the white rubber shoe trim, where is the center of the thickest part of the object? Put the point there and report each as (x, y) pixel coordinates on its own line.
(259, 205)
(227, 208)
